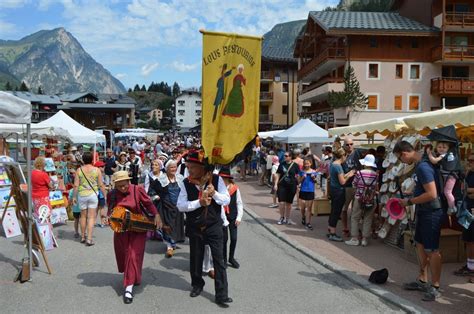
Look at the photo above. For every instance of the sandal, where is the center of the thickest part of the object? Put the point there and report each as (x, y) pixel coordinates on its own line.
(89, 243)
(83, 240)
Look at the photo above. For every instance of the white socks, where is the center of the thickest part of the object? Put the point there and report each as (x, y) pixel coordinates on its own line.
(129, 289)
(470, 263)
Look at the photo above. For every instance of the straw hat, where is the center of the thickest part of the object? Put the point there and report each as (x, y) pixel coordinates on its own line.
(120, 176)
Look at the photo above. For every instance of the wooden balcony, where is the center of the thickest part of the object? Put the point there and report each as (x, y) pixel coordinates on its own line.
(452, 86)
(462, 20)
(330, 57)
(453, 53)
(266, 76)
(322, 82)
(266, 96)
(266, 118)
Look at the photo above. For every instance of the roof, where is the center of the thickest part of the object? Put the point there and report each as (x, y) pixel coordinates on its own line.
(72, 97)
(368, 21)
(38, 98)
(279, 43)
(95, 105)
(116, 98)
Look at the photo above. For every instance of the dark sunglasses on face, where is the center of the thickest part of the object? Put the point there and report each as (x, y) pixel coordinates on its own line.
(350, 144)
(287, 155)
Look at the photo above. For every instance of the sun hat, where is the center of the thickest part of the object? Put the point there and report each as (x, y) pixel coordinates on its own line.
(74, 148)
(395, 208)
(386, 163)
(379, 276)
(368, 161)
(123, 153)
(121, 176)
(384, 188)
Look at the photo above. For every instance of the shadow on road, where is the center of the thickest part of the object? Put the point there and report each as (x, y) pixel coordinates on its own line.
(330, 278)
(97, 279)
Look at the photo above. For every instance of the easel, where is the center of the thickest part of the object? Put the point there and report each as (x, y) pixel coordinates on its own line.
(22, 211)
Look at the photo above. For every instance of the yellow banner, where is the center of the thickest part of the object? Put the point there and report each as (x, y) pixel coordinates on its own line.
(230, 94)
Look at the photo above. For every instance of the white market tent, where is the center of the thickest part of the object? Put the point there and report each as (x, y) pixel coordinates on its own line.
(18, 111)
(78, 133)
(304, 131)
(269, 134)
(10, 130)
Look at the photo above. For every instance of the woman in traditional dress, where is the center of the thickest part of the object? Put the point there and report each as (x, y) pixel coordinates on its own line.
(122, 164)
(129, 246)
(235, 102)
(166, 187)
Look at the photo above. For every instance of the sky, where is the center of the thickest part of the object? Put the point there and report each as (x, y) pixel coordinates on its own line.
(140, 41)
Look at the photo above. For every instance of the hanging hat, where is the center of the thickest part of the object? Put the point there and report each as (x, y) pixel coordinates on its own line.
(368, 161)
(225, 173)
(386, 163)
(379, 276)
(384, 188)
(120, 176)
(395, 209)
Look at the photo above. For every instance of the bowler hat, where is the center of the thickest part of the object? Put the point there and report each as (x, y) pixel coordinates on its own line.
(197, 157)
(225, 173)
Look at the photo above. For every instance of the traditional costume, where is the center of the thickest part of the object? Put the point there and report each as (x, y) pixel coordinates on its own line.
(204, 226)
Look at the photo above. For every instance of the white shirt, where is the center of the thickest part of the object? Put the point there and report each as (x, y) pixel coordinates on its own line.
(240, 206)
(221, 196)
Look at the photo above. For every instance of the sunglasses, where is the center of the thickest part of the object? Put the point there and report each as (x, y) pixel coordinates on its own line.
(350, 144)
(287, 155)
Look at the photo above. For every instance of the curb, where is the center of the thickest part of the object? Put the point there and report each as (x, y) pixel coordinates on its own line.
(385, 295)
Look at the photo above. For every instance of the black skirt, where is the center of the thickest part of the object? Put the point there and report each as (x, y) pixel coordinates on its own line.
(286, 193)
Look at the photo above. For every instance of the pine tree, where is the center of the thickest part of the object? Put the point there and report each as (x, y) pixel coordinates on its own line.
(351, 96)
(151, 87)
(129, 90)
(8, 86)
(40, 91)
(136, 88)
(176, 90)
(143, 89)
(23, 87)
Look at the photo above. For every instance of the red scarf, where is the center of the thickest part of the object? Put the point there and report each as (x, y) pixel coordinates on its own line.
(232, 190)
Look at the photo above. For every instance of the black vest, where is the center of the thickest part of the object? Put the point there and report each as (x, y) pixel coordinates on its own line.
(232, 215)
(196, 219)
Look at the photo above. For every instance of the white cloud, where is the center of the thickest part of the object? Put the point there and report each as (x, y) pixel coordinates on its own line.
(12, 4)
(182, 67)
(120, 75)
(7, 29)
(148, 68)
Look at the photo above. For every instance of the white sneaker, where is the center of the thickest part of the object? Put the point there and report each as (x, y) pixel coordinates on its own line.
(364, 242)
(352, 242)
(273, 205)
(288, 222)
(281, 221)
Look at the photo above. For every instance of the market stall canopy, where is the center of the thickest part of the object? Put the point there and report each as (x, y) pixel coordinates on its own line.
(78, 133)
(384, 127)
(8, 130)
(460, 117)
(304, 131)
(14, 109)
(269, 134)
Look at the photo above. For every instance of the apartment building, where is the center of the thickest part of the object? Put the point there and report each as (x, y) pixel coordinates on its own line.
(278, 82)
(412, 60)
(188, 109)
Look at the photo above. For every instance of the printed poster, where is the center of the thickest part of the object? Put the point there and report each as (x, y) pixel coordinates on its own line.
(10, 223)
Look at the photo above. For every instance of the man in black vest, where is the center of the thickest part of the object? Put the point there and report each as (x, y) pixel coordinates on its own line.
(201, 197)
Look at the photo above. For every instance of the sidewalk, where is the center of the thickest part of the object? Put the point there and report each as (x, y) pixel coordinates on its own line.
(457, 294)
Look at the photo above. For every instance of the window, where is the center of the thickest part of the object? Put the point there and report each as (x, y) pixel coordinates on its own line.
(399, 71)
(373, 42)
(373, 71)
(373, 103)
(414, 102)
(180, 120)
(198, 112)
(415, 72)
(284, 109)
(397, 104)
(180, 102)
(198, 103)
(284, 88)
(414, 43)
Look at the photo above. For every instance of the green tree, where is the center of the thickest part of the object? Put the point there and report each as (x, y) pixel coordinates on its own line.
(40, 91)
(143, 89)
(371, 6)
(129, 90)
(176, 90)
(351, 96)
(136, 88)
(8, 86)
(153, 123)
(24, 87)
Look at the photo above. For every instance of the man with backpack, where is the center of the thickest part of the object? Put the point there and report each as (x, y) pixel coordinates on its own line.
(365, 184)
(429, 215)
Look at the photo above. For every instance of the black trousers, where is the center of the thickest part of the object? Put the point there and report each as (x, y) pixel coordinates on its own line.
(338, 198)
(232, 229)
(213, 236)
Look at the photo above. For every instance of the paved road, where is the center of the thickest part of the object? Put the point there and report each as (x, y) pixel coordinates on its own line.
(273, 277)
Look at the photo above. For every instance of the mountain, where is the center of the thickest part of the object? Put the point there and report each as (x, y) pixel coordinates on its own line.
(56, 61)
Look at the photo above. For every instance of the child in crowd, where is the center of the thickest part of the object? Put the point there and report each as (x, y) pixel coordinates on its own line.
(233, 212)
(307, 179)
(275, 164)
(446, 161)
(76, 212)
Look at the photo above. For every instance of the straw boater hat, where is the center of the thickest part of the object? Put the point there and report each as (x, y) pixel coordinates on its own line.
(121, 176)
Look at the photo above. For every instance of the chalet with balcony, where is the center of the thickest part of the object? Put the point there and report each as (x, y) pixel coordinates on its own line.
(278, 80)
(42, 106)
(392, 60)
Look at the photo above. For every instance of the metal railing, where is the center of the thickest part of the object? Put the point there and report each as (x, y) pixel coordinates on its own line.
(321, 82)
(452, 85)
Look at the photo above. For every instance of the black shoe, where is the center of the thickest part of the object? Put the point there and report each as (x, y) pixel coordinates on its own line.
(234, 263)
(224, 303)
(126, 299)
(195, 292)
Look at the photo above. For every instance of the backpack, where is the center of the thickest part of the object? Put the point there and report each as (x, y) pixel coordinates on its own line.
(367, 198)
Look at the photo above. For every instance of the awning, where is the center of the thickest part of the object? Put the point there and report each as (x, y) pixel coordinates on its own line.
(459, 117)
(269, 134)
(384, 127)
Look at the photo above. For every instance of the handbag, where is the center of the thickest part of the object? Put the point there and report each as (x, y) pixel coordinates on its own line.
(286, 179)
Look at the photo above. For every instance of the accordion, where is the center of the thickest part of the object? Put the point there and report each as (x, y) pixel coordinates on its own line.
(122, 220)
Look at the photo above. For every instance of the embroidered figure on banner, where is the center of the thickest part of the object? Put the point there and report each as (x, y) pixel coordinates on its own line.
(220, 94)
(235, 102)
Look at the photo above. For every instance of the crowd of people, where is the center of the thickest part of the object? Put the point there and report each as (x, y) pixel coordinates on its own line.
(171, 181)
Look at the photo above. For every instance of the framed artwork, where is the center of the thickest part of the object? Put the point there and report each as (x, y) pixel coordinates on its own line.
(49, 166)
(56, 198)
(46, 234)
(10, 223)
(4, 195)
(58, 215)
